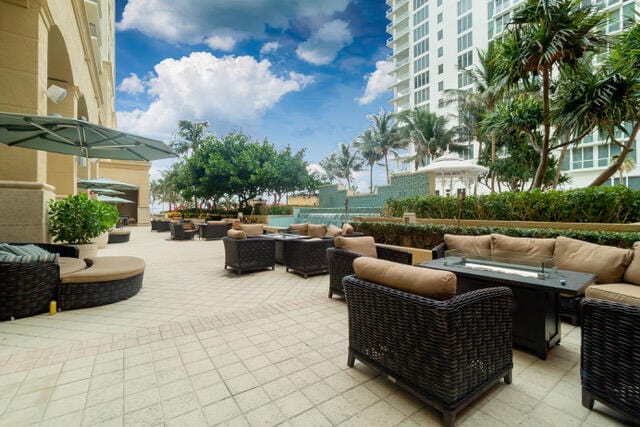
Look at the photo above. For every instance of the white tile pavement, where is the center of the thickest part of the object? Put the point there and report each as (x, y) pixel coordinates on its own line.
(202, 346)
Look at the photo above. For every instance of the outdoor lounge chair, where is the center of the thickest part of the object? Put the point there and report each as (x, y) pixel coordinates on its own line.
(340, 262)
(447, 353)
(182, 231)
(27, 289)
(213, 231)
(307, 256)
(254, 253)
(609, 366)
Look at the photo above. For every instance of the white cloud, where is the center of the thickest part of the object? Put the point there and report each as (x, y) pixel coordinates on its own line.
(323, 46)
(131, 84)
(378, 82)
(269, 47)
(237, 90)
(221, 43)
(195, 21)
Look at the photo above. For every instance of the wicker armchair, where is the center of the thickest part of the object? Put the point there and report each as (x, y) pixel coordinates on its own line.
(27, 289)
(254, 253)
(179, 232)
(307, 256)
(610, 367)
(447, 353)
(213, 231)
(341, 264)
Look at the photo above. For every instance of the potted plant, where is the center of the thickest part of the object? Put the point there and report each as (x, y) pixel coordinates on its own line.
(77, 219)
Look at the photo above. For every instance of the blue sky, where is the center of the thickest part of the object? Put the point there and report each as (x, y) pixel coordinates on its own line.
(303, 73)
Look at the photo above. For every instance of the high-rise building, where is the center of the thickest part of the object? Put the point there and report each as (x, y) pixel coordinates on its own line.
(433, 40)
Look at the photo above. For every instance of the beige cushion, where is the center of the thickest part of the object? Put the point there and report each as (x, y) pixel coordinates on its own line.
(618, 292)
(347, 228)
(187, 226)
(632, 273)
(119, 232)
(106, 269)
(236, 234)
(302, 228)
(333, 231)
(606, 262)
(470, 245)
(70, 265)
(252, 230)
(317, 230)
(429, 283)
(364, 245)
(222, 221)
(524, 245)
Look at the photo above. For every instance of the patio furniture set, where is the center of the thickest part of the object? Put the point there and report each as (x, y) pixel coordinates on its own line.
(186, 230)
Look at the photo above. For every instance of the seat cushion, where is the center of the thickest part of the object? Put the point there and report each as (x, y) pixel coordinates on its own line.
(364, 245)
(105, 269)
(524, 245)
(236, 234)
(618, 292)
(71, 265)
(632, 273)
(429, 283)
(606, 262)
(222, 221)
(333, 231)
(316, 230)
(347, 228)
(470, 245)
(252, 230)
(302, 228)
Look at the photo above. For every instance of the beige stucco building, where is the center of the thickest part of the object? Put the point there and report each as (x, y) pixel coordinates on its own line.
(69, 44)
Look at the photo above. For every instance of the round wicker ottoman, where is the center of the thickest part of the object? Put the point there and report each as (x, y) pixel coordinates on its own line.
(119, 236)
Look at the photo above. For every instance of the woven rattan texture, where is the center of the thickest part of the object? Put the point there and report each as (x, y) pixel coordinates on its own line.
(341, 264)
(255, 253)
(213, 231)
(443, 351)
(307, 256)
(82, 295)
(610, 354)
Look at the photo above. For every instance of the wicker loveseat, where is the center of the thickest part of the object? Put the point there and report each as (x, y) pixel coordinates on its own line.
(307, 256)
(446, 352)
(182, 231)
(213, 229)
(340, 259)
(249, 254)
(26, 289)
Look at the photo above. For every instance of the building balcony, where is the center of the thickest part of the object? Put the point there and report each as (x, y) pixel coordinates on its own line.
(401, 62)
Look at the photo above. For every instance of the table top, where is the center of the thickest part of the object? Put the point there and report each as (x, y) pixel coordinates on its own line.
(278, 236)
(561, 281)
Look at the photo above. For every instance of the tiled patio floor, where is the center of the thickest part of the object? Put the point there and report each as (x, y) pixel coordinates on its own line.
(201, 346)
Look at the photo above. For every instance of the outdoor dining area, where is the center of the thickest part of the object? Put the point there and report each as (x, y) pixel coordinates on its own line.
(284, 325)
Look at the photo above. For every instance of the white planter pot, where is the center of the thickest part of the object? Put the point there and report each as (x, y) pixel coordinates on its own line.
(87, 250)
(101, 240)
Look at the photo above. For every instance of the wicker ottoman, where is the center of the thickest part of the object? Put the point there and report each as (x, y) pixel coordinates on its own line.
(119, 236)
(105, 281)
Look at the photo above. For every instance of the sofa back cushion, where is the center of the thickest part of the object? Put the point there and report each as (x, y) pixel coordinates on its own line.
(222, 221)
(524, 245)
(252, 230)
(188, 226)
(364, 245)
(429, 283)
(470, 245)
(316, 230)
(632, 273)
(236, 234)
(606, 262)
(26, 254)
(302, 228)
(347, 228)
(333, 231)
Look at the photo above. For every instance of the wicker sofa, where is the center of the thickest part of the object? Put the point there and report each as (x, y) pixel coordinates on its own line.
(182, 231)
(307, 256)
(213, 229)
(27, 289)
(340, 258)
(249, 254)
(617, 270)
(447, 352)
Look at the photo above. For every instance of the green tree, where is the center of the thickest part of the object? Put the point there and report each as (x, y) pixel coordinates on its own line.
(367, 144)
(544, 34)
(386, 133)
(286, 172)
(343, 164)
(189, 136)
(428, 133)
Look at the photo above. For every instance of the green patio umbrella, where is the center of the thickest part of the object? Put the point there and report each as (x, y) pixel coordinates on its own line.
(106, 191)
(113, 199)
(105, 183)
(78, 137)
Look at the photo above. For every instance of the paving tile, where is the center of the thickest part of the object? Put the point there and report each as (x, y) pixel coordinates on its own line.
(266, 415)
(136, 401)
(310, 418)
(148, 416)
(179, 405)
(103, 412)
(221, 411)
(293, 404)
(252, 399)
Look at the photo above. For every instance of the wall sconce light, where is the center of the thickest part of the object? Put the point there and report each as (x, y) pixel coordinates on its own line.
(56, 93)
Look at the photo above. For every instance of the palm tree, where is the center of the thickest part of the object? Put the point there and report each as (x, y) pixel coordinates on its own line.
(342, 164)
(544, 34)
(189, 136)
(367, 144)
(428, 133)
(386, 133)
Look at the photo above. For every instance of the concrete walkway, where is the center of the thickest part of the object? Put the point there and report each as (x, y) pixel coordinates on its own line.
(202, 346)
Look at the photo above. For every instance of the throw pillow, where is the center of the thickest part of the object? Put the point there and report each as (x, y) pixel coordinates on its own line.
(316, 230)
(632, 273)
(333, 231)
(347, 228)
(26, 254)
(606, 262)
(429, 283)
(302, 228)
(252, 230)
(364, 245)
(470, 245)
(523, 245)
(236, 234)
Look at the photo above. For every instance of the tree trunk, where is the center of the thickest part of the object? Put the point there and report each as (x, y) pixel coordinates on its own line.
(556, 178)
(544, 152)
(493, 161)
(626, 149)
(386, 166)
(371, 178)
